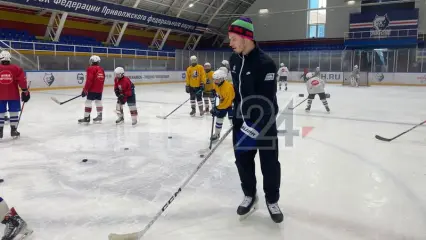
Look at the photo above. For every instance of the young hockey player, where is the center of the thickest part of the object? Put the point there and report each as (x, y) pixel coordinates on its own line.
(283, 75)
(225, 64)
(15, 226)
(12, 77)
(195, 81)
(208, 93)
(125, 91)
(305, 71)
(355, 77)
(93, 89)
(315, 85)
(225, 92)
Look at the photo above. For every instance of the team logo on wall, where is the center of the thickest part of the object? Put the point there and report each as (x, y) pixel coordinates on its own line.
(380, 25)
(80, 78)
(183, 75)
(380, 77)
(48, 79)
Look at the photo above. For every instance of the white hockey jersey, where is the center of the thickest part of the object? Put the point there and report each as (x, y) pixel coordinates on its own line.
(355, 73)
(283, 72)
(315, 85)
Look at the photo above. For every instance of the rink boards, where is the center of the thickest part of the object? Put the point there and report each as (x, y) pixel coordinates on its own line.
(374, 78)
(45, 80)
(51, 80)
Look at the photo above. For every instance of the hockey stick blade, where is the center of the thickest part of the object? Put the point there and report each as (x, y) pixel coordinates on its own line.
(162, 117)
(383, 139)
(139, 235)
(55, 100)
(399, 135)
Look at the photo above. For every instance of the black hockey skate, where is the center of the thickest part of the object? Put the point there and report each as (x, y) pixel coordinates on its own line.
(134, 122)
(1, 132)
(308, 108)
(328, 109)
(120, 120)
(247, 207)
(215, 137)
(85, 120)
(16, 227)
(192, 113)
(14, 132)
(98, 119)
(275, 212)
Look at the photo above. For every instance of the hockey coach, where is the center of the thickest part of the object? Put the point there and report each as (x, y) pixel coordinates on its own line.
(254, 119)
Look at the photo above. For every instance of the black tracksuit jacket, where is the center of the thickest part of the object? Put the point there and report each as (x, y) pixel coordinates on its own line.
(255, 85)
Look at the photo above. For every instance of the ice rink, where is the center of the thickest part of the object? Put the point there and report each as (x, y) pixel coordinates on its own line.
(338, 182)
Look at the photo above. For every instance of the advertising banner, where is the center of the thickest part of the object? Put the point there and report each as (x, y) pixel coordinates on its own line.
(116, 12)
(385, 24)
(75, 79)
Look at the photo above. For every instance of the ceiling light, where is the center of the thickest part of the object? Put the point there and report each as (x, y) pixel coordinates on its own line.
(263, 11)
(191, 5)
(351, 2)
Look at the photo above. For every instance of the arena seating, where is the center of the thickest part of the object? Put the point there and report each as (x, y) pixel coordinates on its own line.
(23, 40)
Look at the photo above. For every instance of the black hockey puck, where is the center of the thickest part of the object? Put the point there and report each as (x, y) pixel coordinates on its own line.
(327, 95)
(201, 155)
(126, 149)
(170, 137)
(301, 95)
(1, 180)
(84, 160)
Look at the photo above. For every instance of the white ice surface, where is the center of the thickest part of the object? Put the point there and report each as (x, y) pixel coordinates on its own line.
(339, 182)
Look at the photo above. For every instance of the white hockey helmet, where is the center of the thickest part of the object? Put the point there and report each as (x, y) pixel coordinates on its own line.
(318, 68)
(225, 63)
(220, 74)
(5, 56)
(207, 65)
(119, 72)
(94, 59)
(356, 66)
(309, 75)
(282, 65)
(193, 59)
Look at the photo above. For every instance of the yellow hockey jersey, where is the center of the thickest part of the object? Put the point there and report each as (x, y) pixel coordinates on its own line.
(226, 94)
(195, 75)
(209, 86)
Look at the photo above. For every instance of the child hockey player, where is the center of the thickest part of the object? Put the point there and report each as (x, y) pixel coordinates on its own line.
(355, 77)
(225, 92)
(93, 89)
(315, 85)
(125, 91)
(208, 93)
(12, 77)
(195, 81)
(225, 64)
(15, 226)
(283, 75)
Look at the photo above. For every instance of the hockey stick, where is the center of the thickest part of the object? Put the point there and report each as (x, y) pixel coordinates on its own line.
(211, 132)
(60, 103)
(22, 109)
(298, 104)
(139, 235)
(397, 136)
(164, 117)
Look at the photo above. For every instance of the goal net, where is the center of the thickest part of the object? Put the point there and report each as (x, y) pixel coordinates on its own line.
(362, 81)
